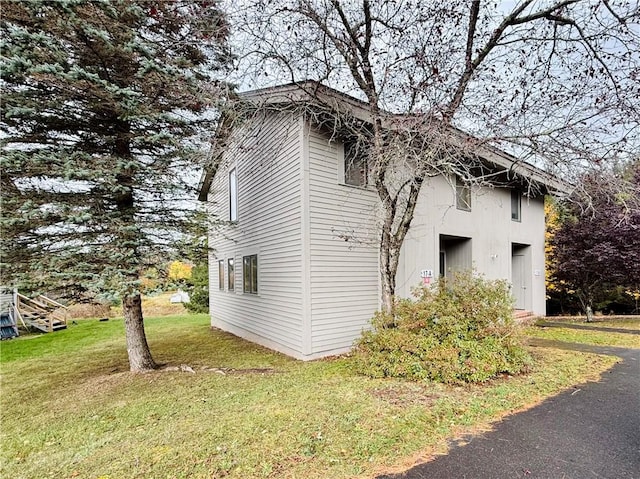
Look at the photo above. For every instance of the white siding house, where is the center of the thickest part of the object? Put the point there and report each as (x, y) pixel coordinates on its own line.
(296, 266)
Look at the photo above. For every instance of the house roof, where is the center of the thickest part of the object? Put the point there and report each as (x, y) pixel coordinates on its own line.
(315, 94)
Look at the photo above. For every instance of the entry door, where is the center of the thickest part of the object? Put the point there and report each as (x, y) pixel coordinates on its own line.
(518, 280)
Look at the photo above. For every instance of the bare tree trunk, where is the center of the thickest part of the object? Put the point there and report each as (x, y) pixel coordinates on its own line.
(392, 239)
(137, 348)
(585, 297)
(387, 276)
(589, 313)
(389, 259)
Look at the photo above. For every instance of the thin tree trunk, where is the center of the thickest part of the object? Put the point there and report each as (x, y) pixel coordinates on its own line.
(137, 348)
(388, 281)
(391, 243)
(389, 257)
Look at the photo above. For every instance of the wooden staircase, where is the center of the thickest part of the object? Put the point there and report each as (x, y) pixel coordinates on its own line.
(41, 313)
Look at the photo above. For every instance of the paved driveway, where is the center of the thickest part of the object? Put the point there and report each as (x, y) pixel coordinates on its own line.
(591, 431)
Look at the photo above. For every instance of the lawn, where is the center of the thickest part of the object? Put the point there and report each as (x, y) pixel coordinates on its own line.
(71, 409)
(598, 333)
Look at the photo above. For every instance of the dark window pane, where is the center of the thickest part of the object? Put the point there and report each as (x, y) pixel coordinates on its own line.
(254, 274)
(246, 273)
(250, 274)
(463, 195)
(233, 196)
(221, 275)
(355, 164)
(231, 274)
(516, 205)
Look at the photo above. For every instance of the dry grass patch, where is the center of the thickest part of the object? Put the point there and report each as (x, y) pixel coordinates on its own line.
(89, 310)
(155, 306)
(152, 306)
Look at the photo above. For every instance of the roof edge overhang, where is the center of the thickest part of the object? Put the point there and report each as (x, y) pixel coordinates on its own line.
(316, 95)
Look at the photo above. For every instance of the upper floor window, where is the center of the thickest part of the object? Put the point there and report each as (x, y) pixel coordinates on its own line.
(233, 195)
(355, 164)
(463, 194)
(516, 205)
(231, 275)
(221, 275)
(250, 274)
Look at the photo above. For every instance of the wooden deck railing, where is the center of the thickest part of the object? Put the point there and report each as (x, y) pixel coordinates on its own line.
(40, 312)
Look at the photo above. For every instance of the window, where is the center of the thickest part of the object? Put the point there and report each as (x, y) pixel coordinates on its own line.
(231, 275)
(355, 164)
(250, 274)
(233, 195)
(221, 275)
(516, 205)
(463, 195)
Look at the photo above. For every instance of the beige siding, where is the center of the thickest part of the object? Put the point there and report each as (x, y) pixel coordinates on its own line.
(266, 156)
(343, 251)
(317, 240)
(490, 228)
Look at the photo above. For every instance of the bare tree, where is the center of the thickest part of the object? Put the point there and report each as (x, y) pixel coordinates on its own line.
(555, 82)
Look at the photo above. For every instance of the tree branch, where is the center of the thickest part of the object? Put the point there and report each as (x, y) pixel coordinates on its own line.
(587, 42)
(510, 20)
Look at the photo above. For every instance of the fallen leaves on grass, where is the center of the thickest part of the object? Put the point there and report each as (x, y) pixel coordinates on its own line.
(185, 368)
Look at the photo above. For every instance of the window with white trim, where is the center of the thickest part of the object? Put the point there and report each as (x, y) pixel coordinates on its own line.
(250, 274)
(231, 275)
(233, 195)
(355, 164)
(463, 195)
(516, 205)
(221, 275)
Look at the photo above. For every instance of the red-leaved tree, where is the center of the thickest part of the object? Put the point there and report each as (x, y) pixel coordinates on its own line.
(597, 247)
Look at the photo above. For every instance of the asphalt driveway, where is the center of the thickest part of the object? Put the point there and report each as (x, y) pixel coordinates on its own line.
(591, 431)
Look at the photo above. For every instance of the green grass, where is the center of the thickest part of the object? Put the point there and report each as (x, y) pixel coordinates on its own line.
(70, 408)
(589, 336)
(632, 324)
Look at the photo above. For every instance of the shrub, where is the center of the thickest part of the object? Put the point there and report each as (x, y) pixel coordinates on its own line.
(460, 330)
(198, 288)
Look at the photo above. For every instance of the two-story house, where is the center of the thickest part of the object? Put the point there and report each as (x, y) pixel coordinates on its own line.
(296, 268)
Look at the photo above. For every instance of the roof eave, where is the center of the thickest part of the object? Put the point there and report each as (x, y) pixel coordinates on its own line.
(319, 95)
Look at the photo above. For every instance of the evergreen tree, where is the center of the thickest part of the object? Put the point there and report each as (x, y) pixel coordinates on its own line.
(104, 108)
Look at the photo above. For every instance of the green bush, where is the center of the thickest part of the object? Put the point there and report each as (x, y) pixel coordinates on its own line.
(460, 330)
(198, 288)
